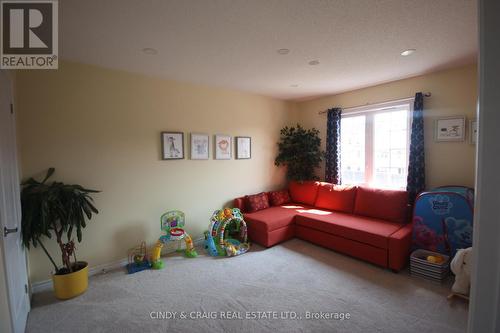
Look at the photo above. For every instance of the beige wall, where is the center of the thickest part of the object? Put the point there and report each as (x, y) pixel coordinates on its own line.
(101, 128)
(454, 92)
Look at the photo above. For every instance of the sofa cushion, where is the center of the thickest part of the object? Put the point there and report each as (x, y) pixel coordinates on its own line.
(336, 197)
(366, 230)
(272, 218)
(382, 204)
(257, 202)
(240, 203)
(279, 198)
(303, 192)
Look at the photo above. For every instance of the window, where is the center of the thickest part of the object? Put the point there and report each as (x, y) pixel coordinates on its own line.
(352, 149)
(375, 145)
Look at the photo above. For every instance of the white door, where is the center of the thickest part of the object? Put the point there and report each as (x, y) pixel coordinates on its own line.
(10, 212)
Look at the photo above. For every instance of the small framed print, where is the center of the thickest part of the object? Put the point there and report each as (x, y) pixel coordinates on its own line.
(473, 131)
(450, 129)
(243, 147)
(172, 145)
(199, 146)
(222, 147)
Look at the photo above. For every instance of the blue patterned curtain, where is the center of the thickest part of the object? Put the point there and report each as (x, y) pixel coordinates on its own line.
(416, 166)
(332, 172)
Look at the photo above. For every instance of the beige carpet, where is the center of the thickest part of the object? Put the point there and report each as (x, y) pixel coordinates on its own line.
(296, 276)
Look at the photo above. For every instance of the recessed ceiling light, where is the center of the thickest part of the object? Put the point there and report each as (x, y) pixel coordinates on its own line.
(150, 51)
(294, 85)
(283, 51)
(408, 52)
(314, 62)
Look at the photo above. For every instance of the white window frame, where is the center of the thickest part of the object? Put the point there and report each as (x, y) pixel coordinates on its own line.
(369, 111)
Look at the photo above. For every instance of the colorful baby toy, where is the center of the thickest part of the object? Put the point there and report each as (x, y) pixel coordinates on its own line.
(224, 225)
(172, 224)
(156, 262)
(138, 259)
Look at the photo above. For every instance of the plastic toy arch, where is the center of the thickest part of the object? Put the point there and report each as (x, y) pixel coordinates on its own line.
(226, 223)
(218, 242)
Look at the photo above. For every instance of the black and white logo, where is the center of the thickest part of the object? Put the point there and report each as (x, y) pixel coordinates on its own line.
(29, 34)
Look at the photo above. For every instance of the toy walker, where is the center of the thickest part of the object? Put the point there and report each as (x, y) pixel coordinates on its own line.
(227, 234)
(172, 224)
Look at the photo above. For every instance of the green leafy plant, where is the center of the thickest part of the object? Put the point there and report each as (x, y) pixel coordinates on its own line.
(300, 151)
(59, 209)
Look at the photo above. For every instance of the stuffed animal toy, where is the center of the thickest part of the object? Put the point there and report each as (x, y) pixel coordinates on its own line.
(461, 266)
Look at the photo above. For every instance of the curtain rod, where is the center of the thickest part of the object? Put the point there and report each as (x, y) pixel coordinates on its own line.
(427, 94)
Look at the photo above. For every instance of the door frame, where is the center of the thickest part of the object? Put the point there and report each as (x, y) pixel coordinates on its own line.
(485, 280)
(15, 324)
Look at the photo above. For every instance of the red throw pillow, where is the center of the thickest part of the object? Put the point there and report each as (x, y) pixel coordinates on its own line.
(257, 202)
(387, 205)
(336, 197)
(303, 192)
(279, 197)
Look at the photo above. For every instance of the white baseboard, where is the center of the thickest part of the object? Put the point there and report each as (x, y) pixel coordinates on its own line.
(103, 268)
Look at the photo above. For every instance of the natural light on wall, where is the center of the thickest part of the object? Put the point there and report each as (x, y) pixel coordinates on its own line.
(375, 146)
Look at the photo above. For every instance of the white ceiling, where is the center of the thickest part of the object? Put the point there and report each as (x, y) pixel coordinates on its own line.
(234, 43)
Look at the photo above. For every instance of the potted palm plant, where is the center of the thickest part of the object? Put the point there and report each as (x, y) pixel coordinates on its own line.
(57, 209)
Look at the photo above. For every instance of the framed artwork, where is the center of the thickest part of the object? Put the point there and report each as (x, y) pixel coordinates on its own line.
(199, 146)
(172, 145)
(450, 129)
(222, 147)
(473, 131)
(243, 147)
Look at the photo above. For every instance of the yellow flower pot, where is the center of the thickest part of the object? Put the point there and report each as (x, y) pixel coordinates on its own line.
(73, 284)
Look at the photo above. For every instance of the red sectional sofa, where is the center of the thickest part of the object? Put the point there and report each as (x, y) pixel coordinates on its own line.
(370, 224)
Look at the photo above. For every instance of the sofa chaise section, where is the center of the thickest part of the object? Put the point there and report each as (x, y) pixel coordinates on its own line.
(377, 241)
(270, 226)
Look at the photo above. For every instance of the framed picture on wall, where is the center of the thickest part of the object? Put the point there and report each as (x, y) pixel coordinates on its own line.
(473, 131)
(450, 129)
(222, 147)
(243, 147)
(172, 145)
(199, 146)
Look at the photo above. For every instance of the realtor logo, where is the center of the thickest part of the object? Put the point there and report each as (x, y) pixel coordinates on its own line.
(29, 34)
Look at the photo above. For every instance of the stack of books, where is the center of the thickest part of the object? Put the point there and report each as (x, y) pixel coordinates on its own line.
(420, 266)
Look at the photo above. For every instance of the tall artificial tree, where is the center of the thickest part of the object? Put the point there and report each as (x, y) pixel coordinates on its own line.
(300, 151)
